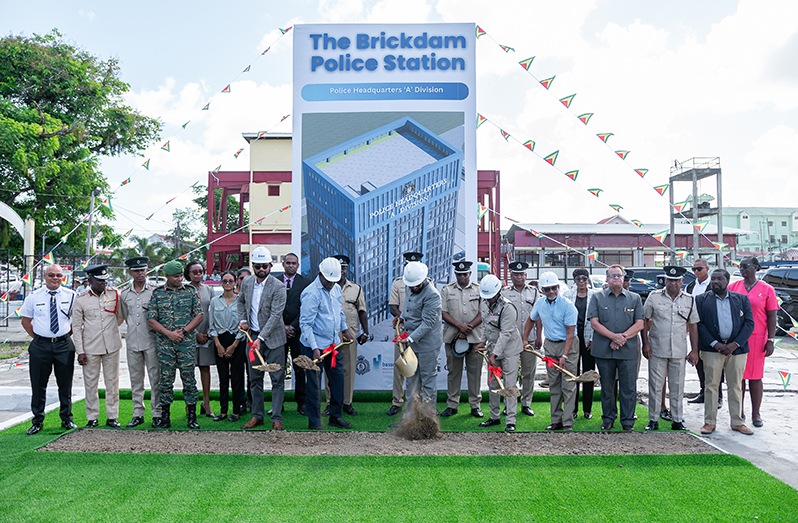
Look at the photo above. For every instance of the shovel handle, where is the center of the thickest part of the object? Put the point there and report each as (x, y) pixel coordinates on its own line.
(528, 348)
(498, 379)
(253, 348)
(324, 354)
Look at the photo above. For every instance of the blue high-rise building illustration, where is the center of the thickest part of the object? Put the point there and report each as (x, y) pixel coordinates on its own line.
(379, 195)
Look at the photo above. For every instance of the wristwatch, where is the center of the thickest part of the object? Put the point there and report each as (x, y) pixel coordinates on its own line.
(772, 340)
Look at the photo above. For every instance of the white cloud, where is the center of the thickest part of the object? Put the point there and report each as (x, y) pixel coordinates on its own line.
(87, 14)
(772, 164)
(399, 12)
(337, 11)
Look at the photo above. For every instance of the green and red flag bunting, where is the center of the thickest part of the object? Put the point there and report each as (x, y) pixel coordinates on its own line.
(604, 136)
(567, 100)
(622, 154)
(506, 48)
(572, 174)
(482, 211)
(18, 312)
(535, 233)
(529, 144)
(681, 253)
(283, 31)
(700, 226)
(185, 124)
(595, 191)
(124, 182)
(226, 89)
(584, 118)
(262, 134)
(616, 207)
(285, 208)
(106, 202)
(49, 258)
(184, 256)
(794, 335)
(641, 172)
(480, 120)
(737, 264)
(266, 51)
(246, 70)
(720, 245)
(146, 164)
(170, 201)
(526, 63)
(27, 280)
(128, 233)
(785, 378)
(660, 236)
(239, 152)
(479, 32)
(552, 157)
(593, 255)
(679, 206)
(216, 171)
(207, 106)
(284, 117)
(85, 264)
(4, 298)
(165, 146)
(637, 222)
(64, 238)
(547, 83)
(662, 188)
(505, 135)
(150, 216)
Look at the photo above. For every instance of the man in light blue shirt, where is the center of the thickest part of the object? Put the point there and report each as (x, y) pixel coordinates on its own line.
(321, 317)
(557, 316)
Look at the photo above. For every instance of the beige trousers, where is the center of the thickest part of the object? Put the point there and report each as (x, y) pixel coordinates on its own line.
(137, 363)
(473, 364)
(509, 366)
(563, 393)
(91, 379)
(714, 364)
(398, 379)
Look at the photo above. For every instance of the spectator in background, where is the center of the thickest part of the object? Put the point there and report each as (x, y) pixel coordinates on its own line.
(206, 355)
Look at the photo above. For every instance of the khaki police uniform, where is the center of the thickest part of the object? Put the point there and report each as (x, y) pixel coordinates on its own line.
(524, 300)
(95, 324)
(503, 340)
(397, 297)
(668, 341)
(141, 351)
(353, 302)
(462, 304)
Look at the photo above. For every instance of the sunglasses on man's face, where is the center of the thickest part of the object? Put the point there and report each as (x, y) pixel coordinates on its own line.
(549, 289)
(581, 278)
(699, 269)
(259, 266)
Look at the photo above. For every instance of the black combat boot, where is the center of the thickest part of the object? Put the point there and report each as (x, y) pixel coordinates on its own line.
(165, 422)
(192, 417)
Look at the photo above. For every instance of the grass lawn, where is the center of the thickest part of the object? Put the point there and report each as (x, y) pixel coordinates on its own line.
(46, 486)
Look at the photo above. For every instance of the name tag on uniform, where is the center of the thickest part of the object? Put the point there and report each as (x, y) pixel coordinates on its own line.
(630, 310)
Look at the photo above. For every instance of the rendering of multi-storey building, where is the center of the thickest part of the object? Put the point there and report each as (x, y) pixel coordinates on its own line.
(379, 195)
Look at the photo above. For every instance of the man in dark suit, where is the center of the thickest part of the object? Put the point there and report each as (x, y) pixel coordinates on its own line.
(260, 308)
(294, 283)
(723, 332)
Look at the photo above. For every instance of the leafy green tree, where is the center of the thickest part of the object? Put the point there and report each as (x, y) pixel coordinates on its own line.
(61, 110)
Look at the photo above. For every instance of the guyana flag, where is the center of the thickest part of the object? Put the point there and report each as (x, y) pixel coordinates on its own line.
(226, 89)
(482, 211)
(505, 135)
(246, 69)
(584, 118)
(660, 236)
(593, 255)
(622, 154)
(165, 146)
(506, 48)
(4, 298)
(146, 164)
(567, 100)
(641, 172)
(479, 32)
(529, 144)
(595, 191)
(700, 226)
(284, 117)
(552, 157)
(239, 152)
(283, 31)
(106, 202)
(720, 245)
(785, 378)
(572, 174)
(27, 280)
(679, 206)
(526, 63)
(547, 83)
(662, 188)
(637, 222)
(681, 253)
(18, 312)
(49, 258)
(604, 136)
(535, 233)
(616, 207)
(480, 120)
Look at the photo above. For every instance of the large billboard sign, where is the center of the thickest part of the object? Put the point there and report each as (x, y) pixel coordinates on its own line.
(384, 158)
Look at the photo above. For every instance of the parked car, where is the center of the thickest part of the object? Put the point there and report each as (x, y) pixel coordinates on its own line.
(785, 281)
(654, 278)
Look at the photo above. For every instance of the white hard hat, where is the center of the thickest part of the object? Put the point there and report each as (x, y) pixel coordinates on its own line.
(414, 274)
(330, 268)
(261, 255)
(548, 279)
(489, 287)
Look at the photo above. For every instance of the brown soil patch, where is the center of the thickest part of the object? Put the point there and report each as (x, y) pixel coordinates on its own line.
(376, 443)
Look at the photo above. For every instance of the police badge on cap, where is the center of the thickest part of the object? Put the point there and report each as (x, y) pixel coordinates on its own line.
(519, 266)
(462, 267)
(99, 272)
(412, 256)
(139, 262)
(673, 272)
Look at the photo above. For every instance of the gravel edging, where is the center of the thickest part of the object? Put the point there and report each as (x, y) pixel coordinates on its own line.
(272, 443)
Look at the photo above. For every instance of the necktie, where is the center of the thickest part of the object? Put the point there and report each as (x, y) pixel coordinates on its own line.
(53, 313)
(288, 283)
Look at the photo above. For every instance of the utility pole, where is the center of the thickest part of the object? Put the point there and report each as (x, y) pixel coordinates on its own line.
(94, 194)
(177, 237)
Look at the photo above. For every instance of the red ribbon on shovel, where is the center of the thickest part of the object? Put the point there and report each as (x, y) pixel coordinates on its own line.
(550, 361)
(494, 371)
(401, 338)
(331, 348)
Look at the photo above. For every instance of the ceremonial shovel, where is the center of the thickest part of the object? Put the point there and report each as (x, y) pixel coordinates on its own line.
(406, 363)
(511, 392)
(585, 377)
(308, 364)
(263, 367)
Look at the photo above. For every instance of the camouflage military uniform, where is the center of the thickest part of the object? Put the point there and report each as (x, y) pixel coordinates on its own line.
(175, 308)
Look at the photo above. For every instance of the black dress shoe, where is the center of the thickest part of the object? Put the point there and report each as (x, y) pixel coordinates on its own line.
(135, 422)
(678, 425)
(555, 426)
(315, 427)
(489, 422)
(220, 417)
(509, 428)
(607, 426)
(628, 428)
(113, 423)
(665, 414)
(697, 399)
(326, 412)
(270, 411)
(504, 411)
(68, 425)
(394, 410)
(232, 418)
(35, 428)
(477, 413)
(301, 410)
(340, 422)
(652, 425)
(527, 411)
(348, 409)
(758, 423)
(92, 423)
(448, 411)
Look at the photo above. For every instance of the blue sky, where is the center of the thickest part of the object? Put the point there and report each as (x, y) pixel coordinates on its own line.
(671, 80)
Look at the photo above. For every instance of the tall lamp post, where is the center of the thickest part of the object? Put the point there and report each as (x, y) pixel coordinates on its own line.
(55, 228)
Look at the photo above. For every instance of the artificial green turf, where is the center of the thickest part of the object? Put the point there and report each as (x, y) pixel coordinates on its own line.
(371, 408)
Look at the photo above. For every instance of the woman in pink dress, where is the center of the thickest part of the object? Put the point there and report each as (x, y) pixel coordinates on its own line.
(764, 306)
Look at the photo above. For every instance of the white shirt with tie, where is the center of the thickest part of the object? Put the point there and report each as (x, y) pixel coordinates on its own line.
(37, 307)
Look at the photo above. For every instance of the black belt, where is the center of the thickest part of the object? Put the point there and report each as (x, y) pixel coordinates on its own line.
(59, 339)
(557, 341)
